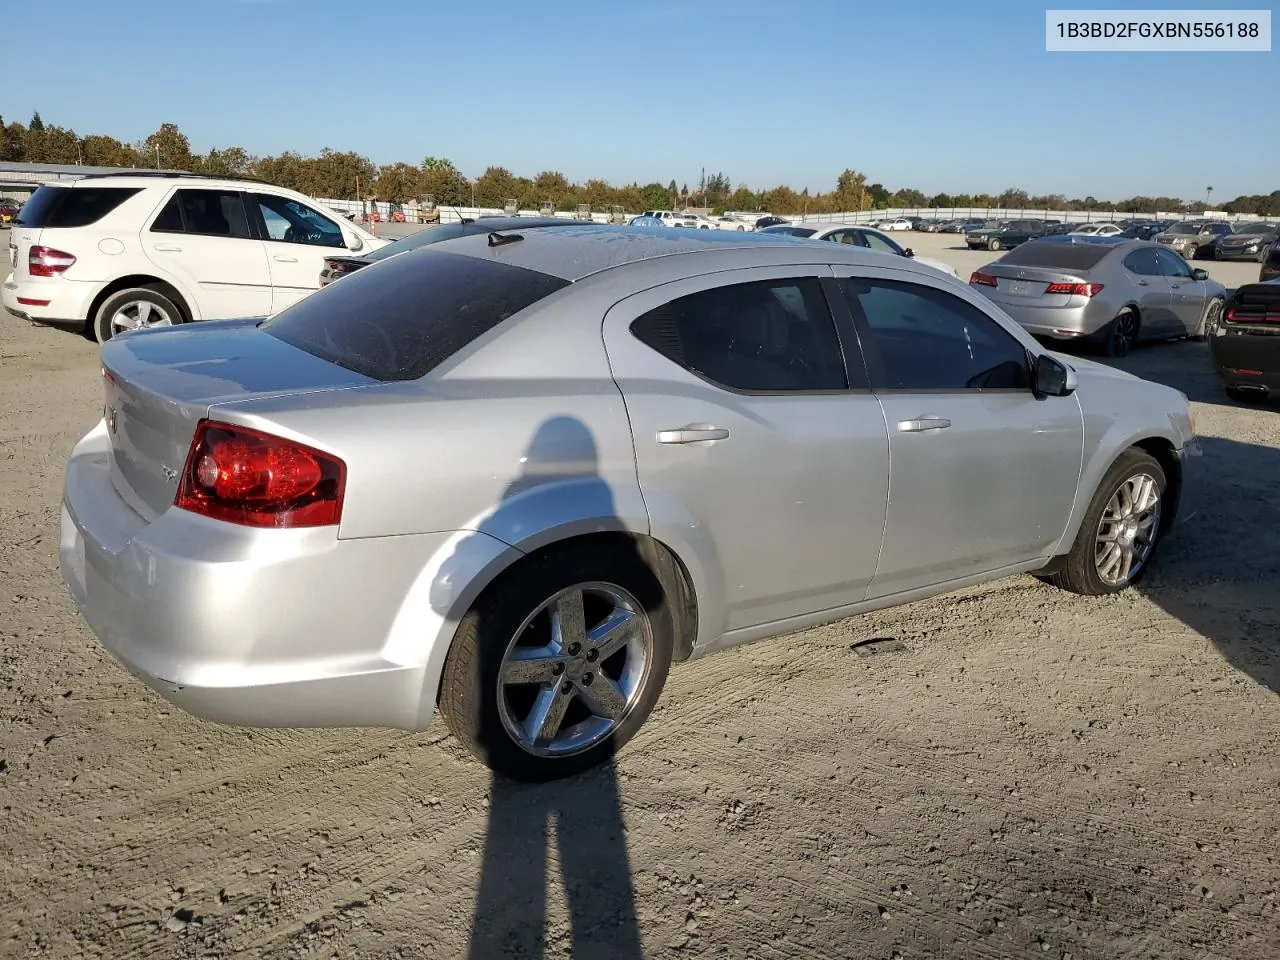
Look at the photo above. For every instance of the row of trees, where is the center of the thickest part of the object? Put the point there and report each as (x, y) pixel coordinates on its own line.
(348, 175)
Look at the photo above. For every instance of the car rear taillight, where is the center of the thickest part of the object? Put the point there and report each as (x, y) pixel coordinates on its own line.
(1074, 289)
(982, 280)
(47, 262)
(1253, 315)
(255, 479)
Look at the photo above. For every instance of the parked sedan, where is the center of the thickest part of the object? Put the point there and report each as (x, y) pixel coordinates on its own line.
(895, 223)
(1246, 241)
(1097, 230)
(1143, 230)
(1005, 237)
(516, 482)
(1111, 291)
(1245, 346)
(340, 266)
(859, 236)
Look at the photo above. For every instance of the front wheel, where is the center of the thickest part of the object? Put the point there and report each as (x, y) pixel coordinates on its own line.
(993, 244)
(1120, 530)
(137, 308)
(558, 664)
(1209, 320)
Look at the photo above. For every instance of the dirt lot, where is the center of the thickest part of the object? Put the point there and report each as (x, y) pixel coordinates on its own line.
(1034, 775)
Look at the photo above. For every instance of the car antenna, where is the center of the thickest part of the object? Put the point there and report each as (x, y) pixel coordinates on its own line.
(497, 239)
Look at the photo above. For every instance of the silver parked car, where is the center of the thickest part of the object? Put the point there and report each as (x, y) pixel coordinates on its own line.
(1115, 291)
(516, 476)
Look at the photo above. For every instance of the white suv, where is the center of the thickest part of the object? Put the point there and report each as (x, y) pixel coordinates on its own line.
(116, 252)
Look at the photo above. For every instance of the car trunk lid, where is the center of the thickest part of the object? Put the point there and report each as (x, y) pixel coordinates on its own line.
(1032, 283)
(160, 383)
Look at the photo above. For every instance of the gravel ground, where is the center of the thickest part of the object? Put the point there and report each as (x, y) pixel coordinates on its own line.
(1032, 775)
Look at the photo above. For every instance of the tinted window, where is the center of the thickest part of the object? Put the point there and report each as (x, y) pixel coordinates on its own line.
(403, 317)
(791, 231)
(1051, 253)
(71, 207)
(289, 221)
(926, 339)
(1143, 262)
(852, 237)
(207, 213)
(1171, 265)
(763, 336)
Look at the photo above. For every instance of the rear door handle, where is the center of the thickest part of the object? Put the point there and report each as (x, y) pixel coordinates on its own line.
(921, 424)
(280, 259)
(692, 434)
(167, 249)
(1143, 283)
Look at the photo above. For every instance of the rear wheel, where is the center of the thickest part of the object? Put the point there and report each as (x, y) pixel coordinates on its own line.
(1121, 335)
(1120, 531)
(993, 244)
(136, 308)
(558, 664)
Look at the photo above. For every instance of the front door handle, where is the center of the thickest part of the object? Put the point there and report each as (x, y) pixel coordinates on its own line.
(692, 434)
(921, 424)
(1143, 283)
(167, 249)
(280, 259)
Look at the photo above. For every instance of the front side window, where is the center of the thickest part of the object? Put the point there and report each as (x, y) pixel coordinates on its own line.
(206, 213)
(926, 339)
(766, 336)
(290, 221)
(1172, 265)
(883, 244)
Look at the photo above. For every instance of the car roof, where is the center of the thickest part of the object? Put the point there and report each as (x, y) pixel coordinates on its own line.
(576, 252)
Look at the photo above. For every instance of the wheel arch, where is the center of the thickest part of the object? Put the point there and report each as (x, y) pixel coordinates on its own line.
(139, 280)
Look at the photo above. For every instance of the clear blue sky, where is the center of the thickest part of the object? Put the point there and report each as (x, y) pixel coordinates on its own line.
(943, 96)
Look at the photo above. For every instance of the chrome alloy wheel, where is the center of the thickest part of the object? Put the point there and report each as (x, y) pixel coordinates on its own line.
(574, 669)
(1127, 531)
(138, 314)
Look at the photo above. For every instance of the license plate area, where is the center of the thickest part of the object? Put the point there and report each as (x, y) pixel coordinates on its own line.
(1024, 288)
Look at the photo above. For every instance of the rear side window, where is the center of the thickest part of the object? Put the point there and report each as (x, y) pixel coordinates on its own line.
(767, 336)
(400, 319)
(71, 206)
(207, 213)
(1068, 256)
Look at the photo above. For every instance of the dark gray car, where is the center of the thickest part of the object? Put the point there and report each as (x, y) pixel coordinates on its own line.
(1247, 241)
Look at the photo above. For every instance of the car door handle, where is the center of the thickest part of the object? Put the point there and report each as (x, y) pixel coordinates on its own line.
(692, 434)
(280, 259)
(1143, 283)
(921, 424)
(168, 249)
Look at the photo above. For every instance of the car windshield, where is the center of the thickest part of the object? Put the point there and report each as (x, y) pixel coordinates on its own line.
(1252, 229)
(1185, 227)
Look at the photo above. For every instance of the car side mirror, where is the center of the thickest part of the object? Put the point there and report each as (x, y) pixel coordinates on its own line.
(354, 243)
(908, 252)
(1198, 274)
(1053, 378)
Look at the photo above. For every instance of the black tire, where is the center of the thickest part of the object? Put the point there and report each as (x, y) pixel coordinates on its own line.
(1079, 573)
(469, 692)
(1247, 396)
(1121, 334)
(100, 325)
(993, 244)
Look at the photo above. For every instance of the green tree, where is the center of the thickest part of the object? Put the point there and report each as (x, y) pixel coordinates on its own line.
(168, 148)
(36, 123)
(743, 199)
(231, 162)
(101, 151)
(442, 180)
(397, 183)
(494, 186)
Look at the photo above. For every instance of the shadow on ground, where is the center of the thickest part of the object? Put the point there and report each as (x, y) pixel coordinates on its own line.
(1219, 573)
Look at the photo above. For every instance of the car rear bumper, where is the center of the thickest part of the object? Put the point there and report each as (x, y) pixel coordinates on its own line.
(1250, 360)
(272, 628)
(49, 301)
(1057, 323)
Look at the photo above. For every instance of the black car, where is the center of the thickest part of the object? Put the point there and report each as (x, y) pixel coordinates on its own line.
(770, 221)
(1271, 266)
(339, 266)
(1246, 241)
(1246, 344)
(1012, 234)
(1142, 230)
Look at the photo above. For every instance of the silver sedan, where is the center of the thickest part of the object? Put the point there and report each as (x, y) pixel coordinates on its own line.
(1113, 291)
(514, 476)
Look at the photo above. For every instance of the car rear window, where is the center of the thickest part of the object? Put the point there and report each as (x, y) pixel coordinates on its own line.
(399, 319)
(1069, 256)
(71, 207)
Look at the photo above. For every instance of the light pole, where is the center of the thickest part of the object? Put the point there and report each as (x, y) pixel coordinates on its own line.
(1208, 192)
